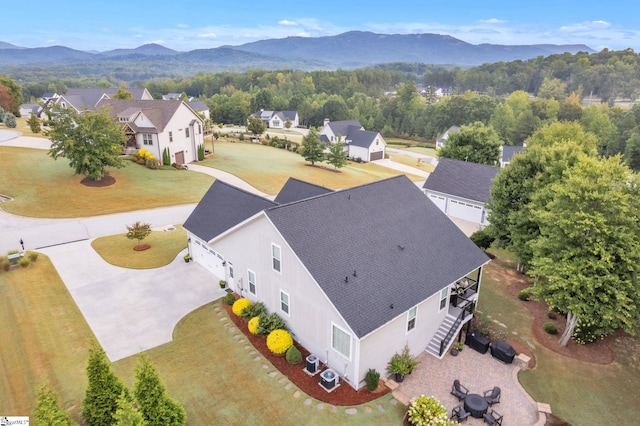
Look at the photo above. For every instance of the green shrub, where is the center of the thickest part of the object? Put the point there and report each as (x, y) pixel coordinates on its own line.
(241, 136)
(372, 378)
(524, 295)
(271, 322)
(293, 355)
(33, 256)
(166, 157)
(229, 299)
(152, 163)
(550, 328)
(254, 310)
(586, 332)
(552, 315)
(24, 262)
(200, 152)
(482, 238)
(426, 410)
(13, 252)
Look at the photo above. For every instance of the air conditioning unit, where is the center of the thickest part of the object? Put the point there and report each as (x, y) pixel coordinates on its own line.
(312, 364)
(329, 379)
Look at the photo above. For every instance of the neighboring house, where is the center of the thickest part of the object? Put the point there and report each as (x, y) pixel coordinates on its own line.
(47, 96)
(460, 189)
(82, 99)
(508, 151)
(278, 119)
(442, 139)
(359, 143)
(27, 109)
(200, 108)
(357, 274)
(155, 125)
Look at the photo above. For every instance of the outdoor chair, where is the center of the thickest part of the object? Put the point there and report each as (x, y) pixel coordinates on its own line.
(493, 418)
(492, 396)
(460, 414)
(458, 390)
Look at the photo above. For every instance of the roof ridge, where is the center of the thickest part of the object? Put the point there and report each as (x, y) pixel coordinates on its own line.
(222, 182)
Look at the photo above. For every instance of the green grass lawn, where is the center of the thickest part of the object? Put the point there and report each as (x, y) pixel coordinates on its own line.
(42, 187)
(579, 392)
(204, 367)
(165, 246)
(268, 168)
(420, 150)
(411, 161)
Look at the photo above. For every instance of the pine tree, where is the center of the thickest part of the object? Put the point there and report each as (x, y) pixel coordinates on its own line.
(156, 406)
(103, 390)
(47, 411)
(312, 147)
(126, 414)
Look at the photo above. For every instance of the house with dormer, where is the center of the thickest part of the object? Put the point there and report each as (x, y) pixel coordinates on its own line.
(156, 125)
(278, 119)
(84, 98)
(359, 143)
(356, 274)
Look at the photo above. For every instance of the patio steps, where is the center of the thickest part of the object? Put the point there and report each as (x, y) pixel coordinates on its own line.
(434, 345)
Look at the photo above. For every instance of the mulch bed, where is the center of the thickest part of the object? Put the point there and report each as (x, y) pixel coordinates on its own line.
(142, 247)
(344, 395)
(105, 181)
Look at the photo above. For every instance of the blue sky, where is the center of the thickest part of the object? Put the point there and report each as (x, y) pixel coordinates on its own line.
(187, 25)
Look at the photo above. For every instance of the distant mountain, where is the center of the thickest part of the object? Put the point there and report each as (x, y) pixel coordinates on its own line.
(353, 49)
(146, 49)
(5, 45)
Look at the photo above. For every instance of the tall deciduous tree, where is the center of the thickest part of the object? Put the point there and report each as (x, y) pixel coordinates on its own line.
(476, 143)
(156, 407)
(312, 148)
(122, 94)
(337, 156)
(92, 141)
(47, 411)
(255, 125)
(588, 252)
(103, 391)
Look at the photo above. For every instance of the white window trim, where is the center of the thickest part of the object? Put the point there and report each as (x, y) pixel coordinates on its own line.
(255, 285)
(274, 258)
(440, 298)
(288, 311)
(409, 318)
(350, 341)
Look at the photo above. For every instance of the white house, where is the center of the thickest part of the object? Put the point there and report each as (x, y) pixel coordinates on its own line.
(83, 98)
(442, 139)
(278, 119)
(359, 143)
(156, 124)
(357, 274)
(460, 189)
(27, 109)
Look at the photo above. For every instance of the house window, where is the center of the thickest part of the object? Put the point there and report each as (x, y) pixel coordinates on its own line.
(443, 298)
(275, 255)
(147, 139)
(411, 318)
(170, 136)
(252, 281)
(199, 129)
(284, 302)
(186, 132)
(341, 341)
(276, 123)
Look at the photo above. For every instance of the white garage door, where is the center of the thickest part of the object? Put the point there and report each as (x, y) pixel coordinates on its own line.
(439, 201)
(208, 258)
(466, 211)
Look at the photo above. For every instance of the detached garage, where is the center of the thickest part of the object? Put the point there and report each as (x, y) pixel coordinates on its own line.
(460, 189)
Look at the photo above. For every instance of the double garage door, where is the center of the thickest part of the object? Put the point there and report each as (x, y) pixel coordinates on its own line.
(466, 211)
(208, 258)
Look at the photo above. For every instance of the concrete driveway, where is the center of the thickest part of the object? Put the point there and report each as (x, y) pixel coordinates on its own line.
(131, 310)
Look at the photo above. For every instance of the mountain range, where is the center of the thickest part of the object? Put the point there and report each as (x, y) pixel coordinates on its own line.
(349, 50)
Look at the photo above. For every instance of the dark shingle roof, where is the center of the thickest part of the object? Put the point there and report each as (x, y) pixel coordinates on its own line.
(159, 112)
(296, 190)
(88, 97)
(198, 106)
(462, 179)
(508, 151)
(401, 248)
(223, 207)
(343, 127)
(363, 138)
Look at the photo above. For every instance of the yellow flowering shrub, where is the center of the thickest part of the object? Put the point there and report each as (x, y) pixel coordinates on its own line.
(278, 341)
(428, 411)
(240, 305)
(253, 325)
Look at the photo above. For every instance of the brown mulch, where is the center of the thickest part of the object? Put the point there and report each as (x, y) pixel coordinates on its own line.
(105, 181)
(344, 395)
(142, 247)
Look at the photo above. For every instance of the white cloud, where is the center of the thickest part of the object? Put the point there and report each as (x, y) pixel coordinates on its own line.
(585, 26)
(287, 22)
(207, 35)
(492, 21)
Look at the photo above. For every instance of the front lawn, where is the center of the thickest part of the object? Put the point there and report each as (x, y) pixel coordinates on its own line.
(268, 168)
(43, 187)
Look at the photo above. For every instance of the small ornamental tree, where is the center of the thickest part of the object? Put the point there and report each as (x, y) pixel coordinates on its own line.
(156, 406)
(10, 120)
(256, 125)
(278, 341)
(240, 305)
(337, 156)
(47, 411)
(138, 231)
(34, 123)
(312, 147)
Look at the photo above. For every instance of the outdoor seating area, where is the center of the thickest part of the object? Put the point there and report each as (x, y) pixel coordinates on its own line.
(475, 405)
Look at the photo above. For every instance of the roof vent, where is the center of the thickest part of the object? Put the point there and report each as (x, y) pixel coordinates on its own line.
(401, 247)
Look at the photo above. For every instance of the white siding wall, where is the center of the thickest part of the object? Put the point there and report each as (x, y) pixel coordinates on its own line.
(358, 151)
(311, 314)
(177, 125)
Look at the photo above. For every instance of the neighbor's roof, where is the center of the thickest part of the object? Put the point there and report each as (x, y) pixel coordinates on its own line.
(462, 179)
(363, 138)
(390, 242)
(343, 127)
(198, 106)
(508, 151)
(296, 190)
(88, 97)
(159, 112)
(223, 207)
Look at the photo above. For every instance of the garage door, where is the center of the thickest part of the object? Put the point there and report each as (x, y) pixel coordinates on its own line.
(180, 157)
(208, 258)
(466, 211)
(439, 201)
(376, 156)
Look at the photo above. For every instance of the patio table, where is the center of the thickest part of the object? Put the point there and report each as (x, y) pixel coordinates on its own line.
(476, 405)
